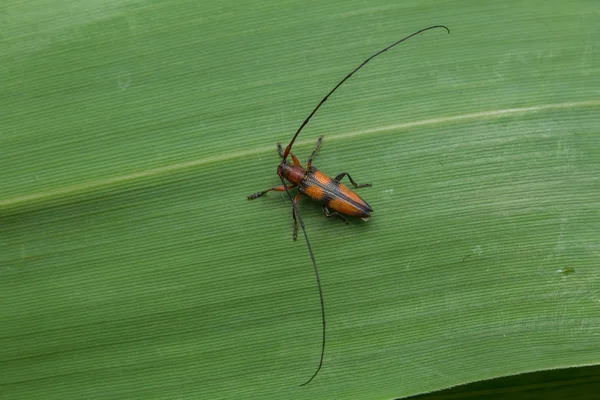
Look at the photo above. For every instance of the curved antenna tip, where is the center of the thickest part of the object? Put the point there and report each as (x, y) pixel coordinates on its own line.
(439, 26)
(312, 377)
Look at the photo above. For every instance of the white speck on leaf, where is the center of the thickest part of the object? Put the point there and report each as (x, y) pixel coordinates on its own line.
(124, 81)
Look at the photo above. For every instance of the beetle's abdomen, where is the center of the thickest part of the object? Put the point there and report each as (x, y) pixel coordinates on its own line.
(335, 195)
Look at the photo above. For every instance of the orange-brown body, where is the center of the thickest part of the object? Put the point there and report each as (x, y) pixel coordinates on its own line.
(332, 193)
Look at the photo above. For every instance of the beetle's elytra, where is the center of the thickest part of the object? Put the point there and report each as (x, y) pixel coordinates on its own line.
(338, 200)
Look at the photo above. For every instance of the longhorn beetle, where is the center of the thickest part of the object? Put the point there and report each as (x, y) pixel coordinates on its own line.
(331, 192)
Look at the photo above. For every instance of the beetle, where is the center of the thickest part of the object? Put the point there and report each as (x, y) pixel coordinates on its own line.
(315, 184)
(331, 192)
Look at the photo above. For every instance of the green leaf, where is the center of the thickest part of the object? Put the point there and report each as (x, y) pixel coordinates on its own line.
(133, 266)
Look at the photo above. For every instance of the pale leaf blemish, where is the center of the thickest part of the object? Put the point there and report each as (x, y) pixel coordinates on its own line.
(124, 81)
(566, 271)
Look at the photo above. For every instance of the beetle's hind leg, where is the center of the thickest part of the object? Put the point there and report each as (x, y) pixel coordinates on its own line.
(329, 214)
(358, 185)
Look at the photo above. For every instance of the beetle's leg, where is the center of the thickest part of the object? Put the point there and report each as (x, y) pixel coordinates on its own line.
(294, 158)
(296, 201)
(279, 188)
(358, 185)
(313, 153)
(334, 214)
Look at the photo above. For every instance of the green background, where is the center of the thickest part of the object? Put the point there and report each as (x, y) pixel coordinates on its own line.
(131, 132)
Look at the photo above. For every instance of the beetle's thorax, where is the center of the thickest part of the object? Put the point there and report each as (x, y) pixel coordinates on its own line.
(293, 173)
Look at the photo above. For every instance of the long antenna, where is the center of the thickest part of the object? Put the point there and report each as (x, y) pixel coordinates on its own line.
(297, 211)
(314, 262)
(289, 147)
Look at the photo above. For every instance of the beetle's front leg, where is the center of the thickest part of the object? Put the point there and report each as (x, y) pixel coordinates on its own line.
(280, 188)
(309, 163)
(294, 158)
